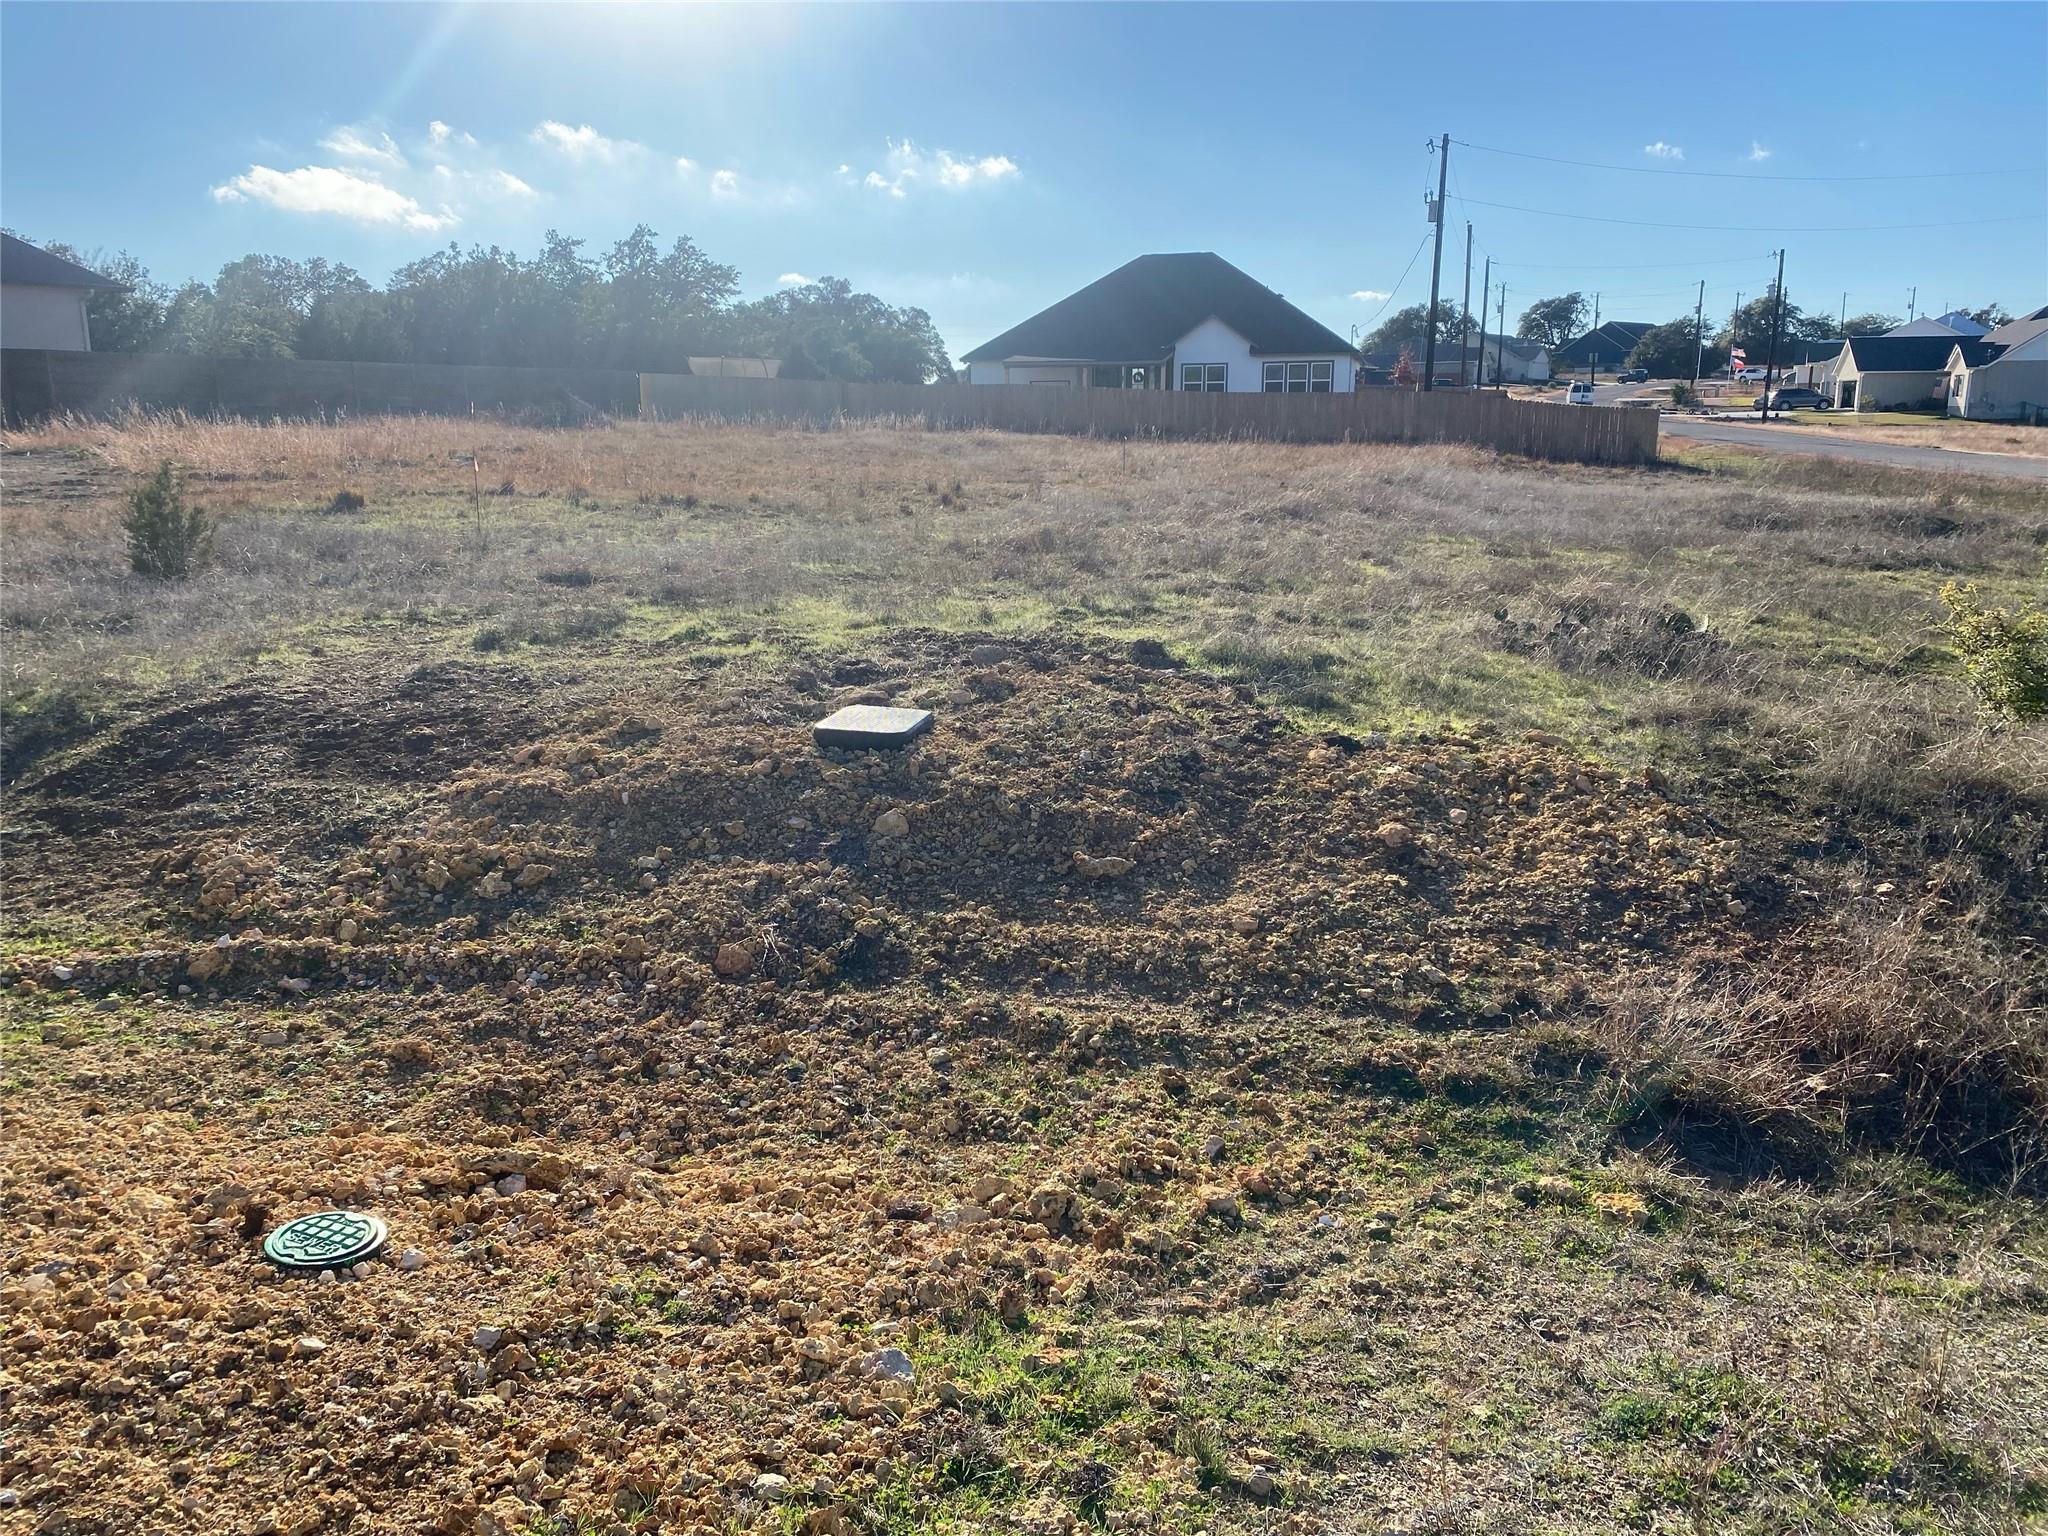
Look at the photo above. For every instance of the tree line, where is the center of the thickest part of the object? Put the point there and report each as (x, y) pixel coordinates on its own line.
(1666, 350)
(636, 306)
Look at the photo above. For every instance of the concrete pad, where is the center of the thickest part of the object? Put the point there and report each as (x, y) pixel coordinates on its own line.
(871, 725)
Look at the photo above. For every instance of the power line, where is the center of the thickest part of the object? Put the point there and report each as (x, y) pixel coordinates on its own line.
(1659, 170)
(1395, 291)
(1639, 266)
(1759, 229)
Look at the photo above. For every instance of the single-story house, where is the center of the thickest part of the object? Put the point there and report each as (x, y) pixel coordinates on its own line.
(1188, 320)
(1606, 346)
(2003, 374)
(1511, 360)
(42, 298)
(1879, 373)
(1810, 363)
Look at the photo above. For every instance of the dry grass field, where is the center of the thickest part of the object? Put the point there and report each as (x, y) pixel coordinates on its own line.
(1406, 992)
(1919, 430)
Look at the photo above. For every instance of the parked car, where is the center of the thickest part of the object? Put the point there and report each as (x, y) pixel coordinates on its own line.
(1750, 375)
(1633, 376)
(1580, 393)
(1799, 398)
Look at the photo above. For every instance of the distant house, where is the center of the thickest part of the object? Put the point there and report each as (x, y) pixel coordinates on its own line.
(1511, 360)
(1605, 346)
(1956, 322)
(2003, 374)
(1879, 373)
(1188, 320)
(1811, 363)
(1507, 360)
(42, 298)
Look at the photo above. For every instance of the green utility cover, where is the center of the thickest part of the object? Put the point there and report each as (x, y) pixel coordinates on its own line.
(325, 1240)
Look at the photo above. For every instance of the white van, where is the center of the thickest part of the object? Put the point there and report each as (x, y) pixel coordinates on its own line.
(1580, 393)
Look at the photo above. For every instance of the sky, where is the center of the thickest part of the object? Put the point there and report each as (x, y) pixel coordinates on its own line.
(981, 161)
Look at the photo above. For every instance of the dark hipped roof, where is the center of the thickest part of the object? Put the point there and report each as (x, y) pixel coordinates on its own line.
(21, 262)
(1901, 354)
(1138, 312)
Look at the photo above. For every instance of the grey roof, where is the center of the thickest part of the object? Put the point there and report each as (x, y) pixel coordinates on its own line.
(2026, 328)
(1613, 339)
(1136, 314)
(1447, 351)
(1978, 350)
(21, 262)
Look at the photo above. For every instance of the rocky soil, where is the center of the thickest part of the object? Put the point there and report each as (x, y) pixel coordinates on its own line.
(709, 1081)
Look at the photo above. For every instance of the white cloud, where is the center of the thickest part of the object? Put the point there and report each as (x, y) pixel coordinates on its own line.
(1757, 151)
(793, 280)
(439, 132)
(330, 189)
(907, 165)
(350, 144)
(585, 143)
(1370, 296)
(1663, 151)
(490, 183)
(725, 184)
(685, 165)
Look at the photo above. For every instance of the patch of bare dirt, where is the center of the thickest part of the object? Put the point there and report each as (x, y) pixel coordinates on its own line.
(696, 1069)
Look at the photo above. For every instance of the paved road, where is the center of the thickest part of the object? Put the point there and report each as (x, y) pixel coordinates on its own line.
(1803, 439)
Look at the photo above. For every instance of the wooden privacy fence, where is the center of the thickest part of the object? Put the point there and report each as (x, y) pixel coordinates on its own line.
(1578, 433)
(38, 383)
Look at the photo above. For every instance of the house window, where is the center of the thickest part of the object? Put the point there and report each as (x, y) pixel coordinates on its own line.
(1298, 378)
(1204, 376)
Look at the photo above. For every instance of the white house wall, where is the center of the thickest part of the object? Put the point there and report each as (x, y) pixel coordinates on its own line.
(1214, 342)
(2010, 389)
(1888, 390)
(50, 318)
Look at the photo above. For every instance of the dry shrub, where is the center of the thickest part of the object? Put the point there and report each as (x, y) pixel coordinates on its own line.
(1589, 630)
(1904, 1031)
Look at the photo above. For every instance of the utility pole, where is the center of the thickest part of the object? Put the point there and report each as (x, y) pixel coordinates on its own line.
(1734, 319)
(1912, 301)
(1699, 337)
(1436, 269)
(1465, 316)
(1777, 320)
(1500, 342)
(1485, 292)
(1842, 325)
